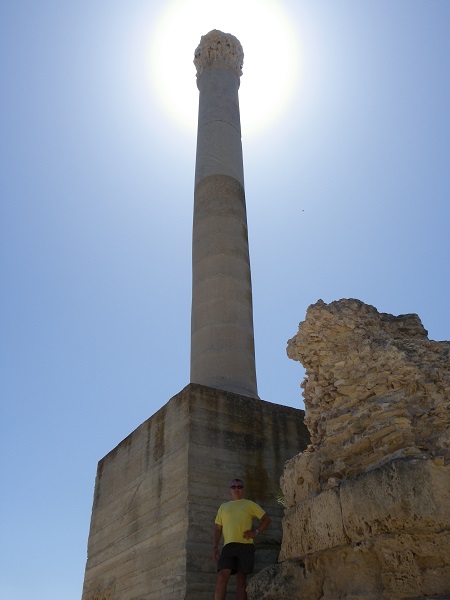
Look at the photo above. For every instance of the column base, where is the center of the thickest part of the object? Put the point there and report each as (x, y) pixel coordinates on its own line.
(157, 493)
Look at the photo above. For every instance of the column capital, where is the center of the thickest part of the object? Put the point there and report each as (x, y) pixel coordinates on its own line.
(220, 47)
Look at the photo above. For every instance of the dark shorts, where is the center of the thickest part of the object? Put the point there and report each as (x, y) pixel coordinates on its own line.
(237, 557)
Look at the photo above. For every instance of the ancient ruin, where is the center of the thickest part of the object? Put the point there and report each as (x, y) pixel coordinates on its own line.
(222, 341)
(368, 502)
(157, 492)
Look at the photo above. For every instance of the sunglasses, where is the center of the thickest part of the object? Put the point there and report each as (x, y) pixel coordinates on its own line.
(236, 487)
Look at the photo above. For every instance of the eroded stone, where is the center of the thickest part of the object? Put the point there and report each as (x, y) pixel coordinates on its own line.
(368, 502)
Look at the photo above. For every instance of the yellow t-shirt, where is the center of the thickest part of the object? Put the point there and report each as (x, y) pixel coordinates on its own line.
(235, 517)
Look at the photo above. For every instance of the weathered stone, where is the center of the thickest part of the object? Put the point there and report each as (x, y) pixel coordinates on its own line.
(300, 478)
(414, 563)
(158, 491)
(376, 388)
(403, 496)
(368, 502)
(388, 567)
(313, 525)
(222, 340)
(281, 582)
(219, 47)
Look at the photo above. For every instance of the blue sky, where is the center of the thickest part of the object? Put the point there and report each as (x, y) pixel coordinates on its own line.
(347, 196)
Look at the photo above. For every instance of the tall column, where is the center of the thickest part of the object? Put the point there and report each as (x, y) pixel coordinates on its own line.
(157, 492)
(222, 341)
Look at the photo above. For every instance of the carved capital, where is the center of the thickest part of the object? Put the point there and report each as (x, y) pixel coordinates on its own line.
(217, 46)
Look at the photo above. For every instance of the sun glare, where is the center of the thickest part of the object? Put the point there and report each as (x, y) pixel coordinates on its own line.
(271, 57)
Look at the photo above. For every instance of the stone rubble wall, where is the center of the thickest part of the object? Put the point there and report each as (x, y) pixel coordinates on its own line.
(376, 389)
(368, 503)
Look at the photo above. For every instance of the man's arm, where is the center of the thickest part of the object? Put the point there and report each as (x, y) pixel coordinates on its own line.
(263, 525)
(217, 536)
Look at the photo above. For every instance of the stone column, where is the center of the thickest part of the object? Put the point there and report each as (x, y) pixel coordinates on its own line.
(222, 341)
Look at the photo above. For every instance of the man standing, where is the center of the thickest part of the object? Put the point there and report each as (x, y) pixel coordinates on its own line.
(234, 520)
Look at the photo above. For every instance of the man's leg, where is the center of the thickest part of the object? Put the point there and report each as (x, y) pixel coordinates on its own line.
(221, 585)
(241, 586)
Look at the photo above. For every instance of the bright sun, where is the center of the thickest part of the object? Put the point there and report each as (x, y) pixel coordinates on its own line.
(271, 56)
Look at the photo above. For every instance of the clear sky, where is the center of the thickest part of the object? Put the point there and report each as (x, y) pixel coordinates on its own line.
(347, 183)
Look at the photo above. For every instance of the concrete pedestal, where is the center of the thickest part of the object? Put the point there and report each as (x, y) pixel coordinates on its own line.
(157, 493)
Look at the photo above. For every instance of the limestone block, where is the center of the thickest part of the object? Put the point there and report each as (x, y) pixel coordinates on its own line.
(347, 572)
(300, 478)
(283, 582)
(343, 573)
(313, 525)
(391, 567)
(404, 495)
(415, 564)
